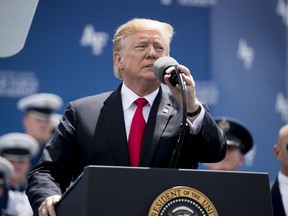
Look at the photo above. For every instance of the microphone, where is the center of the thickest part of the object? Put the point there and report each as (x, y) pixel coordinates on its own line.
(161, 65)
(159, 69)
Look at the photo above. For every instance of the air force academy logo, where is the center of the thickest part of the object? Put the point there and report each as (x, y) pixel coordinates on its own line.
(181, 200)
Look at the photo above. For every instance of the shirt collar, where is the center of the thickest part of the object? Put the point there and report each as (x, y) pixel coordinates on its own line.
(282, 178)
(128, 97)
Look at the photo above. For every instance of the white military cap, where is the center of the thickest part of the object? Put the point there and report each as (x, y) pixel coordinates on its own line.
(18, 146)
(55, 119)
(6, 170)
(41, 104)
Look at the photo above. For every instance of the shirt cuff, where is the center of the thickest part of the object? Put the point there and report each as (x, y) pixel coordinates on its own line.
(197, 123)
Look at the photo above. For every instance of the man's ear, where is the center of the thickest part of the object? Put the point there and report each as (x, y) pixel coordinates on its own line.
(117, 60)
(25, 121)
(276, 150)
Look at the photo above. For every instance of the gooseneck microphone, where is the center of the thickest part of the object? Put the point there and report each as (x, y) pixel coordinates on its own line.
(159, 69)
(161, 65)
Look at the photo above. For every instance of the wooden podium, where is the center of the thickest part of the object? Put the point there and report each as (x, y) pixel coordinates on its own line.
(102, 190)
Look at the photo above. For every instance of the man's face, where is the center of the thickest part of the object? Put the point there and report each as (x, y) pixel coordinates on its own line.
(281, 152)
(232, 161)
(38, 128)
(21, 169)
(140, 51)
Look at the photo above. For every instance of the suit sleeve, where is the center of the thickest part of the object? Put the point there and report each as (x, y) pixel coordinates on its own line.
(56, 166)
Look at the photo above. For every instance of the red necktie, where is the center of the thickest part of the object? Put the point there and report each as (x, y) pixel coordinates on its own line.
(136, 132)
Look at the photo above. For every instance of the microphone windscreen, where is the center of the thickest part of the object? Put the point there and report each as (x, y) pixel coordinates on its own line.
(161, 65)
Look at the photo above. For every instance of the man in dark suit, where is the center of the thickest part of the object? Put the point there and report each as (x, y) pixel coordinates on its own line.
(95, 130)
(280, 186)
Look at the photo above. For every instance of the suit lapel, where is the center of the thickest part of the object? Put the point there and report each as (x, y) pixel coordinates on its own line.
(112, 112)
(160, 113)
(277, 199)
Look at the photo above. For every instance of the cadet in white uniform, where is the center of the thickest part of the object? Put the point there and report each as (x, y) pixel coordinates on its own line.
(18, 148)
(37, 119)
(6, 172)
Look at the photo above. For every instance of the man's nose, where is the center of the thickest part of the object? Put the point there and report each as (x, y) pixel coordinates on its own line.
(151, 53)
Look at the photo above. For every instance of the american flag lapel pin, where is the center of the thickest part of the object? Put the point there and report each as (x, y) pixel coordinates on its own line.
(165, 110)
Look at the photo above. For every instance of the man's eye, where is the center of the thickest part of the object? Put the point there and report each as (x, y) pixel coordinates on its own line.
(159, 48)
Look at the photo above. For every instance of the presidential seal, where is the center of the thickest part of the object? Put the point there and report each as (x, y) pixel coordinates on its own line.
(182, 201)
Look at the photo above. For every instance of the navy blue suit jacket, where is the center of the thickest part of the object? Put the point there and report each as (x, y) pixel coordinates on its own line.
(277, 203)
(92, 132)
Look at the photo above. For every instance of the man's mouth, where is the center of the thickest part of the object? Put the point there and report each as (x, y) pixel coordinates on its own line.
(149, 66)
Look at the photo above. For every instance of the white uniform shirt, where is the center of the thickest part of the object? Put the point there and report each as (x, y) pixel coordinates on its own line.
(18, 204)
(283, 187)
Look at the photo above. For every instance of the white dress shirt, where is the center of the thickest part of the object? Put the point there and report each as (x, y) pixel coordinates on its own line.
(283, 187)
(128, 98)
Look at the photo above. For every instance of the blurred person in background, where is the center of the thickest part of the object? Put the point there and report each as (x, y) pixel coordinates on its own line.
(239, 142)
(38, 109)
(18, 149)
(279, 188)
(6, 172)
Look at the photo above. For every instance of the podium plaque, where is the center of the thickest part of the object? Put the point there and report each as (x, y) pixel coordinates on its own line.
(104, 190)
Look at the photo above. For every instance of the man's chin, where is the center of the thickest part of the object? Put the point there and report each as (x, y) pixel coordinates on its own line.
(154, 80)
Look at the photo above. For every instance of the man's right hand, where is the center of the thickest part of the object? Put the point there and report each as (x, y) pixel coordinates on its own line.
(47, 208)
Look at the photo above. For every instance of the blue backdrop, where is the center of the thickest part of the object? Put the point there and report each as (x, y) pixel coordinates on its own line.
(236, 51)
